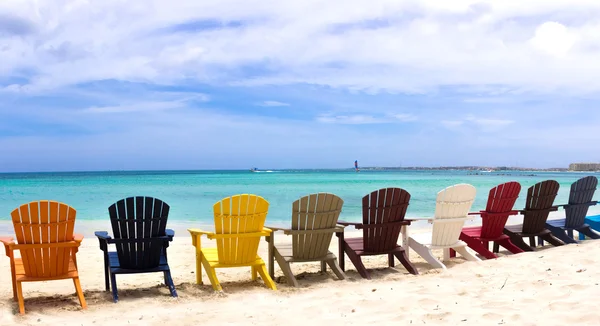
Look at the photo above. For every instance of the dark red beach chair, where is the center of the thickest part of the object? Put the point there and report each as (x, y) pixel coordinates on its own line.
(499, 207)
(383, 218)
(538, 205)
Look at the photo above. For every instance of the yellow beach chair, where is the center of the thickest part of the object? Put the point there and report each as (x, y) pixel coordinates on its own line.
(239, 225)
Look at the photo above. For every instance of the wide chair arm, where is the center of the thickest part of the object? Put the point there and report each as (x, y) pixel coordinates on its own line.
(417, 219)
(289, 231)
(8, 243)
(197, 234)
(357, 225)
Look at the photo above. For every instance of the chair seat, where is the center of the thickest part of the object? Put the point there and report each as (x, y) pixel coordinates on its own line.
(425, 239)
(518, 230)
(475, 232)
(21, 277)
(286, 251)
(357, 245)
(115, 266)
(211, 255)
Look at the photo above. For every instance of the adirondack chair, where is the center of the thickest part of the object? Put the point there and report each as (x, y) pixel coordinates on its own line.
(538, 206)
(383, 218)
(451, 211)
(141, 240)
(580, 200)
(239, 225)
(314, 221)
(45, 239)
(499, 207)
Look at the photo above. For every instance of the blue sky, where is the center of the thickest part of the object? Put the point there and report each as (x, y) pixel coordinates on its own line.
(209, 84)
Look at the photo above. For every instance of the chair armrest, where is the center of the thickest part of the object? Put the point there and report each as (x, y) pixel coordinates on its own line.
(475, 213)
(78, 237)
(277, 229)
(429, 219)
(240, 235)
(102, 235)
(195, 232)
(7, 241)
(355, 224)
(317, 231)
(170, 233)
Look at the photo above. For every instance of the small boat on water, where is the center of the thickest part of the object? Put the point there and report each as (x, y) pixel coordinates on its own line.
(253, 170)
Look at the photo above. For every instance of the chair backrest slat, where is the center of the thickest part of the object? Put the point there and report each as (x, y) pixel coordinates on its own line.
(501, 200)
(540, 198)
(580, 198)
(314, 212)
(451, 209)
(45, 222)
(381, 207)
(136, 218)
(239, 214)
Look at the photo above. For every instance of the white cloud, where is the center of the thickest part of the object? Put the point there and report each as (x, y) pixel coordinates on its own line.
(553, 38)
(398, 46)
(272, 103)
(483, 124)
(357, 119)
(404, 117)
(137, 107)
(350, 119)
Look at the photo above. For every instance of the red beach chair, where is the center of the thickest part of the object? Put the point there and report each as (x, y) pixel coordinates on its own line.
(499, 207)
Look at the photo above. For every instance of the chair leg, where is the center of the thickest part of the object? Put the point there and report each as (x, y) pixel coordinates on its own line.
(14, 278)
(532, 242)
(270, 240)
(169, 282)
(446, 254)
(20, 298)
(199, 258)
(403, 258)
(286, 269)
(496, 248)
(79, 292)
(333, 264)
(587, 231)
(452, 253)
(106, 272)
(323, 266)
(517, 240)
(341, 250)
(477, 245)
(357, 262)
(426, 253)
(254, 273)
(262, 270)
(560, 234)
(550, 238)
(113, 281)
(508, 245)
(391, 262)
(465, 253)
(212, 276)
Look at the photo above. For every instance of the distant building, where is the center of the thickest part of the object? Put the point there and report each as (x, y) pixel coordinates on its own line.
(584, 167)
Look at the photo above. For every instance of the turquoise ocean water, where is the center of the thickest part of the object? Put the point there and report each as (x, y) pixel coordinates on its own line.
(191, 194)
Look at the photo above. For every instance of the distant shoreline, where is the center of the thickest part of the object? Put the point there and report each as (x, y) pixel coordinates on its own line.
(365, 168)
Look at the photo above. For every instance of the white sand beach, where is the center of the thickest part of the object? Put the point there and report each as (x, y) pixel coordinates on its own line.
(552, 286)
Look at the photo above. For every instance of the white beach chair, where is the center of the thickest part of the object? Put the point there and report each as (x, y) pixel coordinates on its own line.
(451, 211)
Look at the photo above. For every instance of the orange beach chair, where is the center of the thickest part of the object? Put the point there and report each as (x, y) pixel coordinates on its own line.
(47, 245)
